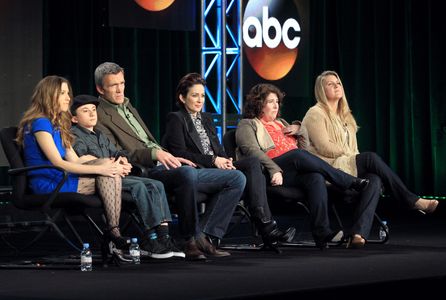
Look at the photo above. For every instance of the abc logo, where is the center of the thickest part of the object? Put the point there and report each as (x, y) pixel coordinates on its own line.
(271, 37)
(152, 5)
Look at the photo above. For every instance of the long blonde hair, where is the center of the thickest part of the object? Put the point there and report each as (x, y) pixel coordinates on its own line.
(45, 104)
(343, 109)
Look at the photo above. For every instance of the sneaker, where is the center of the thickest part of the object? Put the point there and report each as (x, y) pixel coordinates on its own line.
(154, 249)
(169, 243)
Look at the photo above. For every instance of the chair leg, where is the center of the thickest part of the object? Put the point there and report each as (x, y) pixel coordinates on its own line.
(300, 243)
(133, 218)
(73, 230)
(245, 214)
(98, 230)
(52, 223)
(16, 250)
(380, 224)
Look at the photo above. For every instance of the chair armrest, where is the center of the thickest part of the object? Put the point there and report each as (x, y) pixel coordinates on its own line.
(19, 171)
(47, 205)
(139, 170)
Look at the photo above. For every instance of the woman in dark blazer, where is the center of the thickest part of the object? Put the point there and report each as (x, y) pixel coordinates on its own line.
(191, 134)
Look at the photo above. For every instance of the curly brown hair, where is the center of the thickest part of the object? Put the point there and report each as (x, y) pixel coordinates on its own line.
(255, 100)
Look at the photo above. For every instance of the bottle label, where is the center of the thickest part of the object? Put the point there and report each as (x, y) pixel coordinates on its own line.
(86, 260)
(135, 253)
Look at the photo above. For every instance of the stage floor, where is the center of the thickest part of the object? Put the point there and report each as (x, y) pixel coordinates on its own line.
(412, 264)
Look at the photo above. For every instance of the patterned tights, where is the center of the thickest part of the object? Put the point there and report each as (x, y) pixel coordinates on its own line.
(110, 190)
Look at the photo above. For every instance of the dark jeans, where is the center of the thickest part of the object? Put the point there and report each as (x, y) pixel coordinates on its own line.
(255, 190)
(226, 187)
(150, 199)
(370, 162)
(366, 203)
(306, 171)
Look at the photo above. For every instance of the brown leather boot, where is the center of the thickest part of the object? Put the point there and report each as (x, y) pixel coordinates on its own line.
(192, 252)
(204, 245)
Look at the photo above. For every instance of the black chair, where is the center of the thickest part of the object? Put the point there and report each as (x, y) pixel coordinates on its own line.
(53, 206)
(292, 195)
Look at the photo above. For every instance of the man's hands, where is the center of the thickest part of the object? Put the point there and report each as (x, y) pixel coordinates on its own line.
(170, 161)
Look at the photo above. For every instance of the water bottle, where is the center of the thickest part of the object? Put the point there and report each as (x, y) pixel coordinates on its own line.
(382, 232)
(86, 258)
(135, 253)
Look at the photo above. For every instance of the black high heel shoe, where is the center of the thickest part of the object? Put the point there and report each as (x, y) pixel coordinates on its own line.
(269, 231)
(111, 254)
(121, 242)
(113, 248)
(359, 184)
(336, 237)
(272, 235)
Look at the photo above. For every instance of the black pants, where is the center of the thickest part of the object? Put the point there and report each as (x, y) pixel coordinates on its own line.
(308, 172)
(366, 203)
(255, 190)
(371, 163)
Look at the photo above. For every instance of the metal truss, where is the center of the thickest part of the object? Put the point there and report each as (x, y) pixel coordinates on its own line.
(221, 60)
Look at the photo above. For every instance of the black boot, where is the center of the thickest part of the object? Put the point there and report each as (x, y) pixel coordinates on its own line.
(270, 233)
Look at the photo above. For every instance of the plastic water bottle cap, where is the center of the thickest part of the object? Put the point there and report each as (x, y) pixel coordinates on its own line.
(385, 222)
(134, 240)
(86, 245)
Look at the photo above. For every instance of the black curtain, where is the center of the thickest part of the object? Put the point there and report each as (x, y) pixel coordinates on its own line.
(390, 55)
(77, 39)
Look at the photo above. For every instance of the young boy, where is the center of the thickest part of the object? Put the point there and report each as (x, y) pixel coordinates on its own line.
(148, 194)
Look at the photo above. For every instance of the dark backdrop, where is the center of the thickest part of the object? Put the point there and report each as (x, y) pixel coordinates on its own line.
(390, 55)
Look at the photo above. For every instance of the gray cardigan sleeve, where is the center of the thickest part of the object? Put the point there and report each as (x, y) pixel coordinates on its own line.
(248, 145)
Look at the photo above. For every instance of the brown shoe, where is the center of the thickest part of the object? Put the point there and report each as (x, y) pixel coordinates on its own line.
(192, 252)
(204, 245)
(355, 242)
(426, 206)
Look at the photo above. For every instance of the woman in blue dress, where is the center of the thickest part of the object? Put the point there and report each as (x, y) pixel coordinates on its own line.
(44, 134)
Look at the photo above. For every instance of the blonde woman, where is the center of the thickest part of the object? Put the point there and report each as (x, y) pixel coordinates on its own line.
(332, 136)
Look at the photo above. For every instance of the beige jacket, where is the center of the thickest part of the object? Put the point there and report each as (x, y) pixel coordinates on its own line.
(328, 141)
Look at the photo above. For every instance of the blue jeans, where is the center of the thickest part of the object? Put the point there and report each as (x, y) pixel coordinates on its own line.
(150, 199)
(225, 188)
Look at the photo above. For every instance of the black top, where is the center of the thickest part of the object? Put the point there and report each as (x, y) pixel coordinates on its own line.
(183, 140)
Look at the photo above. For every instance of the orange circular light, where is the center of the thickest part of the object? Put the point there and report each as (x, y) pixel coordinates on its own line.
(271, 64)
(154, 5)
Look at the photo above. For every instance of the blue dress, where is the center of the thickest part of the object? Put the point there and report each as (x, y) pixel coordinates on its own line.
(44, 181)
